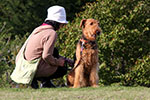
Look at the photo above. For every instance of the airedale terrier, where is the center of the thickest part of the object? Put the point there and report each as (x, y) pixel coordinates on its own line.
(85, 70)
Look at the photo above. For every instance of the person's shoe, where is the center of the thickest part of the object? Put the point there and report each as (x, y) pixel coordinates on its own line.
(34, 84)
(47, 84)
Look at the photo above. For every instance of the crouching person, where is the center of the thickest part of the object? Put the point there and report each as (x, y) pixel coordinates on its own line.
(38, 59)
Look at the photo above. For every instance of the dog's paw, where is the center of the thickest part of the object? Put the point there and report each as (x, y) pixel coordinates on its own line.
(95, 86)
(76, 87)
(70, 86)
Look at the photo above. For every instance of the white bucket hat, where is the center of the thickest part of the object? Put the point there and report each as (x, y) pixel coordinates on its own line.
(57, 13)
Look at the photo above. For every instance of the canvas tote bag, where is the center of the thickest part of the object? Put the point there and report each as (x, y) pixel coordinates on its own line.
(25, 70)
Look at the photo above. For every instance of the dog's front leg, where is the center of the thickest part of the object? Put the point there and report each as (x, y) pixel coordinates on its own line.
(94, 77)
(78, 76)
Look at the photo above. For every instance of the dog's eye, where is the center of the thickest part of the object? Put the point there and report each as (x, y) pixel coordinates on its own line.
(91, 23)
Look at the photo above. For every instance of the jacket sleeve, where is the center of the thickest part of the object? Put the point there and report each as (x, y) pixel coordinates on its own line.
(48, 43)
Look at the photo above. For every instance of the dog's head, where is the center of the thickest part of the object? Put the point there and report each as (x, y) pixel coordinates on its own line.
(90, 28)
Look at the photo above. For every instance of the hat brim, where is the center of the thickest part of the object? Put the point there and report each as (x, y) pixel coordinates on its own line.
(63, 22)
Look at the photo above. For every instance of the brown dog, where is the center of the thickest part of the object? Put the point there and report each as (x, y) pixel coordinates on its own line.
(85, 71)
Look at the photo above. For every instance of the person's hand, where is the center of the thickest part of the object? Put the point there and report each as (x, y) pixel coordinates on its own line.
(62, 61)
(70, 62)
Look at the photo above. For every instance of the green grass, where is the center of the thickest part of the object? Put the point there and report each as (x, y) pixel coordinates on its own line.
(101, 93)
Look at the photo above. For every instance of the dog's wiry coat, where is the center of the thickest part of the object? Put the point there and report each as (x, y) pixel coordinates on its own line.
(85, 71)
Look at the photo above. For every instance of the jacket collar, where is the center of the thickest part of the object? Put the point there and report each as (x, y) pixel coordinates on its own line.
(42, 27)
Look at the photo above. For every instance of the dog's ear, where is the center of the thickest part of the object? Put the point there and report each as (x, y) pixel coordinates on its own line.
(82, 23)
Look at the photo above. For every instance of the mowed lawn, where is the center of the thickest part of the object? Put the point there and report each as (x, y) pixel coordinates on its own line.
(101, 93)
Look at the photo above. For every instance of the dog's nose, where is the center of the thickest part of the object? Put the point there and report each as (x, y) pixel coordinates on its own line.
(98, 32)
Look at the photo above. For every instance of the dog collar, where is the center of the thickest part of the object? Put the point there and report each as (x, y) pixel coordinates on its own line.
(83, 42)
